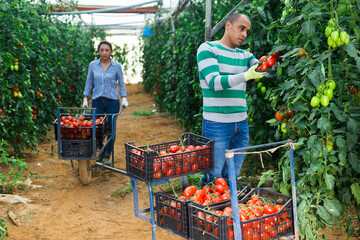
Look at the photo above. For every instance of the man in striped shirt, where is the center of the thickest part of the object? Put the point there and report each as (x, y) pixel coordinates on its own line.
(224, 70)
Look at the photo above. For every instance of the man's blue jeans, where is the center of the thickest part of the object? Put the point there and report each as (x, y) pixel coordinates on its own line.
(226, 136)
(108, 106)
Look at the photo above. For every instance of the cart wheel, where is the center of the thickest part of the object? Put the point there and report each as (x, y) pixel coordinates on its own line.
(85, 171)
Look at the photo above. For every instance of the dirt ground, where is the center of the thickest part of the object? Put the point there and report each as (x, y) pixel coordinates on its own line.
(65, 209)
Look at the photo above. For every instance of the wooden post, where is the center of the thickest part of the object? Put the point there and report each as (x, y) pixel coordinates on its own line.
(208, 20)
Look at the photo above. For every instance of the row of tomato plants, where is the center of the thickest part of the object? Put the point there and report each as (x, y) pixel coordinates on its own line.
(314, 100)
(44, 64)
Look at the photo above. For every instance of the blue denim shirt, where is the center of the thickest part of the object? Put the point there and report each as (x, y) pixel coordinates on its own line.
(104, 83)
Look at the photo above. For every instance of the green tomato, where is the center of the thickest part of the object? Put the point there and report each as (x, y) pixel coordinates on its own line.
(19, 95)
(251, 119)
(328, 31)
(321, 88)
(332, 22)
(347, 39)
(257, 79)
(343, 36)
(329, 148)
(325, 100)
(259, 85)
(16, 67)
(263, 89)
(12, 67)
(335, 36)
(287, 2)
(329, 92)
(332, 85)
(339, 42)
(330, 42)
(314, 101)
(283, 127)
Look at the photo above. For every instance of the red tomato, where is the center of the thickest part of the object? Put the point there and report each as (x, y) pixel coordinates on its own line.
(194, 167)
(63, 119)
(228, 211)
(255, 197)
(219, 188)
(264, 66)
(206, 189)
(190, 148)
(174, 148)
(189, 191)
(279, 116)
(200, 193)
(225, 196)
(169, 172)
(257, 212)
(197, 199)
(271, 60)
(268, 209)
(177, 169)
(220, 181)
(262, 59)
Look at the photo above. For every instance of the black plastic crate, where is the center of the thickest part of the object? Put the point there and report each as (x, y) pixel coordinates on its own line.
(205, 223)
(76, 148)
(148, 166)
(180, 225)
(172, 214)
(81, 132)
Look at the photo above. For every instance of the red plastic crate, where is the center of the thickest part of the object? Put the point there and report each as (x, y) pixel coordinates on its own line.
(148, 166)
(205, 224)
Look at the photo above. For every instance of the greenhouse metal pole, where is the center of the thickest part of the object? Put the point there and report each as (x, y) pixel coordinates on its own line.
(293, 192)
(208, 20)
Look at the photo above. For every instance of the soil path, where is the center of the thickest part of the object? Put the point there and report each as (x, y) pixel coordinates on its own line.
(65, 209)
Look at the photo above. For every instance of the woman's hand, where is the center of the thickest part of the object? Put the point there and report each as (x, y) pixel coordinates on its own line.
(124, 102)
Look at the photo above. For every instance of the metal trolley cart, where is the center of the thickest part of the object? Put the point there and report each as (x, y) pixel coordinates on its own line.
(232, 182)
(84, 137)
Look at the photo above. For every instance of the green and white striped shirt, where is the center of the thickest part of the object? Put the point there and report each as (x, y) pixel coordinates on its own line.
(221, 73)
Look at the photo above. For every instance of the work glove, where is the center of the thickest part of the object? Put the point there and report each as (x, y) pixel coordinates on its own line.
(124, 102)
(85, 103)
(252, 74)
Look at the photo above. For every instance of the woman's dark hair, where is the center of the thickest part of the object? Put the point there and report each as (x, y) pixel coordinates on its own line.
(105, 42)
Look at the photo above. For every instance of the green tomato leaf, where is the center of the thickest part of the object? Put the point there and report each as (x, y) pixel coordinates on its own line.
(324, 124)
(355, 189)
(314, 167)
(330, 181)
(324, 215)
(354, 162)
(308, 28)
(262, 13)
(351, 126)
(333, 207)
(336, 112)
(351, 140)
(294, 20)
(273, 120)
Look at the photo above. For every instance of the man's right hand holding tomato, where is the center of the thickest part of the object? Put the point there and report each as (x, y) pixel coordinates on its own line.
(252, 74)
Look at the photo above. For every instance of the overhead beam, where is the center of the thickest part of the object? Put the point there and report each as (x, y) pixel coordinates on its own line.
(129, 10)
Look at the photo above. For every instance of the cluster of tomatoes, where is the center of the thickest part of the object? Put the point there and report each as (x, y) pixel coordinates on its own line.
(336, 37)
(253, 217)
(207, 195)
(325, 93)
(34, 112)
(15, 65)
(177, 161)
(58, 80)
(38, 94)
(267, 62)
(16, 92)
(77, 128)
(284, 115)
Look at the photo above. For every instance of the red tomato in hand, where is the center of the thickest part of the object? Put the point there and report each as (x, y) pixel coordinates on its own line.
(263, 59)
(271, 61)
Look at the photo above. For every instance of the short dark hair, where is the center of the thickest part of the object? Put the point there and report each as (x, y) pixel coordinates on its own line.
(234, 17)
(104, 42)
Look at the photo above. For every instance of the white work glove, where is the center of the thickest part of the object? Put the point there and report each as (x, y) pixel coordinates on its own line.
(124, 102)
(251, 74)
(85, 103)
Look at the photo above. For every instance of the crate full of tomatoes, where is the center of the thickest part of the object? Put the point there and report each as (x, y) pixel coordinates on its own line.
(172, 211)
(76, 134)
(263, 214)
(190, 154)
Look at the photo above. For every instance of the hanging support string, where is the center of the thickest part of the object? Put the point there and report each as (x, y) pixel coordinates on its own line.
(271, 150)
